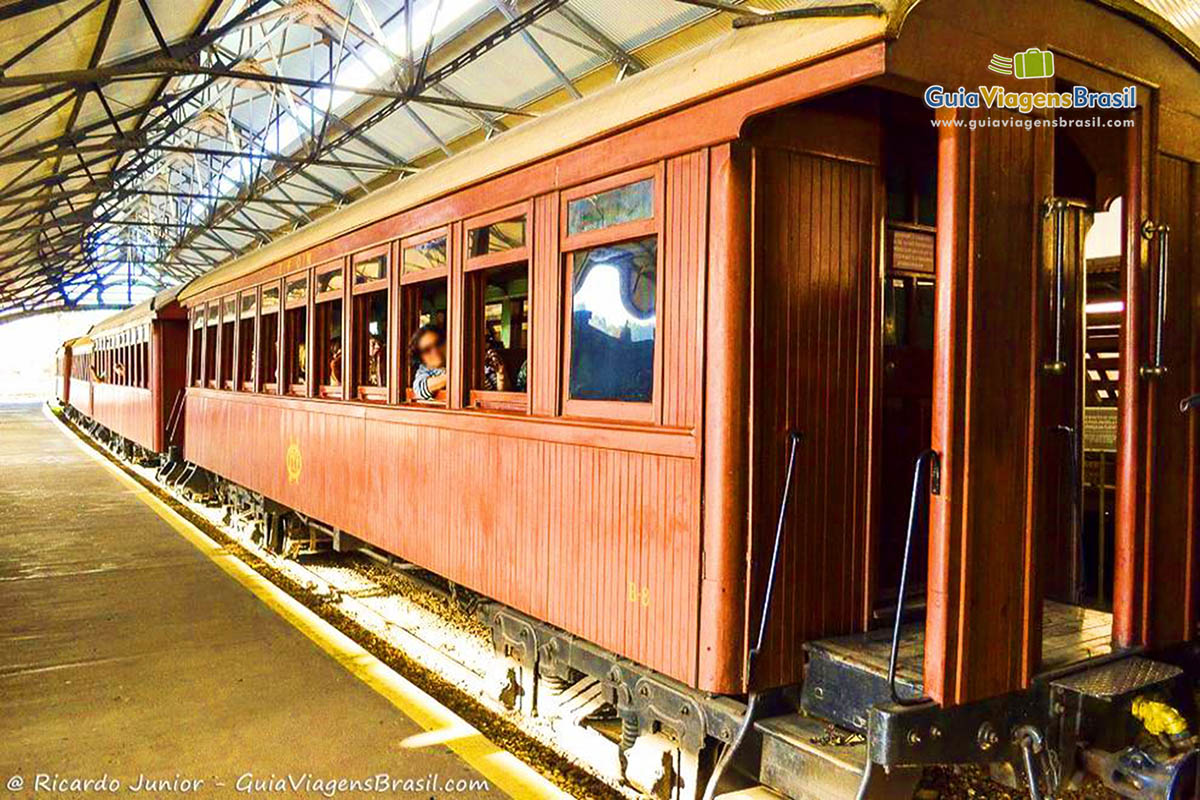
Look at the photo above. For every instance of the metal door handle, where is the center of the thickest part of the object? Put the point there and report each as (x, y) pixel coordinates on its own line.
(1058, 207)
(1157, 368)
(1055, 365)
(1188, 403)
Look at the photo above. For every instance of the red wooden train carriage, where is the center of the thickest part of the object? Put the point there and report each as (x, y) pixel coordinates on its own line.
(644, 294)
(63, 373)
(129, 372)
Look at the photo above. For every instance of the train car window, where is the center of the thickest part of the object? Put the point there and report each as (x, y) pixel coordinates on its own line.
(908, 313)
(268, 364)
(327, 332)
(197, 346)
(246, 346)
(370, 270)
(628, 203)
(370, 326)
(428, 256)
(425, 307)
(145, 350)
(295, 335)
(613, 322)
(212, 320)
(228, 323)
(500, 336)
(497, 310)
(424, 278)
(499, 237)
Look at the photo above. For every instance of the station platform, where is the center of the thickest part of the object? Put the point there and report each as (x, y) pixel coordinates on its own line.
(127, 653)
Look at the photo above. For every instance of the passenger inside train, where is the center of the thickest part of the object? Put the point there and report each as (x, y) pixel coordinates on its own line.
(429, 352)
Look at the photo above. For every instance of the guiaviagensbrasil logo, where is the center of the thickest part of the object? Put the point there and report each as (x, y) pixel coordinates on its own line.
(1033, 63)
(1030, 64)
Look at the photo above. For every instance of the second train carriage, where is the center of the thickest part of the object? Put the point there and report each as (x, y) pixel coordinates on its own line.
(128, 374)
(775, 235)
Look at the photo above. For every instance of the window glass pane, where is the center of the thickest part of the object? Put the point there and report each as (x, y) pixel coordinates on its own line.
(230, 310)
(270, 299)
(198, 318)
(613, 322)
(328, 282)
(329, 343)
(425, 256)
(498, 237)
(269, 354)
(370, 320)
(425, 307)
(246, 354)
(295, 344)
(374, 269)
(297, 289)
(214, 313)
(624, 204)
(504, 310)
(247, 305)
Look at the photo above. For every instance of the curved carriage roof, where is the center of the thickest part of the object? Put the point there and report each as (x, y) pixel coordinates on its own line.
(145, 310)
(735, 59)
(741, 57)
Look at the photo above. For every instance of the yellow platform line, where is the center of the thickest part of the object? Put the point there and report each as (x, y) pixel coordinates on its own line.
(502, 769)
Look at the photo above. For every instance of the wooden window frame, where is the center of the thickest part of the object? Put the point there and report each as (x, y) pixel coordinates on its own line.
(404, 281)
(313, 350)
(636, 229)
(211, 322)
(289, 385)
(226, 382)
(196, 346)
(275, 386)
(240, 379)
(361, 392)
(483, 399)
(569, 246)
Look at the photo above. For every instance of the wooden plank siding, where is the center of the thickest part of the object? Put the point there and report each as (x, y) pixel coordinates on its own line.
(591, 525)
(1170, 580)
(81, 396)
(126, 410)
(815, 301)
(981, 596)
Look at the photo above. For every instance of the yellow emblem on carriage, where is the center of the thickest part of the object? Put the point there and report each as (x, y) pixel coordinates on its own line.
(294, 463)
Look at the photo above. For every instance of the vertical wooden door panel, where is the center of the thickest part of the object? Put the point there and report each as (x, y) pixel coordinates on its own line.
(981, 591)
(815, 300)
(1171, 517)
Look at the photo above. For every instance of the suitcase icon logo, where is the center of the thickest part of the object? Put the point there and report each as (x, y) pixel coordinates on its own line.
(1033, 63)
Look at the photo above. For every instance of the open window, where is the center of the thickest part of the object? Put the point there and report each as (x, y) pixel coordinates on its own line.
(143, 358)
(197, 345)
(295, 334)
(611, 297)
(211, 325)
(370, 324)
(246, 345)
(424, 280)
(268, 337)
(328, 345)
(228, 323)
(497, 292)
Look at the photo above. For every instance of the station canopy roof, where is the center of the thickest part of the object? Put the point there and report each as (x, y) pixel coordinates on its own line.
(143, 142)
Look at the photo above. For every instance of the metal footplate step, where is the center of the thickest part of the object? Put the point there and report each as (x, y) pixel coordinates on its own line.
(804, 759)
(847, 675)
(1120, 680)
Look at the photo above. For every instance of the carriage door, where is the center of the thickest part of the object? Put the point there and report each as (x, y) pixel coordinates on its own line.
(982, 602)
(815, 311)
